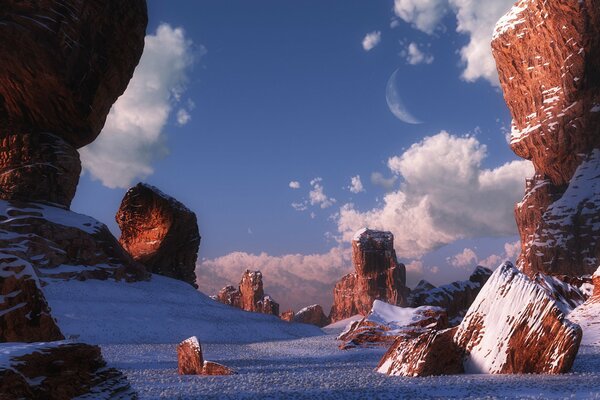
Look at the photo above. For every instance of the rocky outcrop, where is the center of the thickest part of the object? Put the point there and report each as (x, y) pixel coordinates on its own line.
(548, 56)
(431, 353)
(387, 323)
(191, 362)
(378, 276)
(596, 280)
(287, 315)
(312, 315)
(58, 370)
(159, 232)
(249, 295)
(567, 293)
(24, 312)
(512, 327)
(455, 298)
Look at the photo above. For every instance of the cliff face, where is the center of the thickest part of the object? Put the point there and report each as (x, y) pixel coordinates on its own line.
(548, 58)
(159, 232)
(378, 276)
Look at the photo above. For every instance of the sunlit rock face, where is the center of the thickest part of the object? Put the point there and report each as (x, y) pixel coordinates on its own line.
(190, 360)
(159, 232)
(312, 315)
(378, 276)
(59, 370)
(548, 58)
(249, 295)
(24, 312)
(512, 327)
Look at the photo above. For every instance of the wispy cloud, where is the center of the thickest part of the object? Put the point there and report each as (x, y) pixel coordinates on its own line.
(356, 185)
(371, 40)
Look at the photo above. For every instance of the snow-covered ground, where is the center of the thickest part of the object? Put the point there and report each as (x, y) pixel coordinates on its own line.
(138, 326)
(162, 310)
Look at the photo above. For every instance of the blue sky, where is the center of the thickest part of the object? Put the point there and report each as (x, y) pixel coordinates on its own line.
(270, 92)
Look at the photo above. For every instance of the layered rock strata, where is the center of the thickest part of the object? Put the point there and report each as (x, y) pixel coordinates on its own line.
(377, 276)
(548, 58)
(249, 295)
(159, 232)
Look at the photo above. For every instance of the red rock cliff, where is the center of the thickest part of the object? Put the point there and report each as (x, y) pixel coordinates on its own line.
(378, 276)
(249, 295)
(548, 58)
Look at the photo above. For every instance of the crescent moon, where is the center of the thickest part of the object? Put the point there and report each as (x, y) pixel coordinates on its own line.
(395, 103)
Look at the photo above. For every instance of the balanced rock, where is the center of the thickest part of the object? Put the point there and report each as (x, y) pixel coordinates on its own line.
(159, 232)
(58, 370)
(191, 362)
(455, 298)
(312, 315)
(24, 312)
(377, 276)
(515, 327)
(387, 323)
(548, 57)
(512, 327)
(249, 295)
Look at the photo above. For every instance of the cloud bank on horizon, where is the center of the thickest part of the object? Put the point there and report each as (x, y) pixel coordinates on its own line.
(133, 136)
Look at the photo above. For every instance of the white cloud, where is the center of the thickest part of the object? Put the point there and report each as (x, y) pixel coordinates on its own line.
(415, 56)
(425, 15)
(317, 195)
(512, 250)
(183, 117)
(356, 185)
(476, 19)
(445, 195)
(301, 206)
(371, 40)
(294, 185)
(378, 179)
(133, 136)
(467, 259)
(294, 280)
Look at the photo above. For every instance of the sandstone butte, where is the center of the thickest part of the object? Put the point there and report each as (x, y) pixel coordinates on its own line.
(159, 232)
(512, 327)
(249, 295)
(548, 58)
(377, 276)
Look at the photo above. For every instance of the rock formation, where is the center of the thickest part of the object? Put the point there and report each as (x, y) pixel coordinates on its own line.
(59, 370)
(249, 295)
(312, 315)
(286, 315)
(512, 327)
(159, 232)
(378, 276)
(548, 58)
(191, 362)
(387, 323)
(24, 312)
(455, 298)
(566, 295)
(596, 279)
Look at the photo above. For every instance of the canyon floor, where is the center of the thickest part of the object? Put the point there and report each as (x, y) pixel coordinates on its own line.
(138, 326)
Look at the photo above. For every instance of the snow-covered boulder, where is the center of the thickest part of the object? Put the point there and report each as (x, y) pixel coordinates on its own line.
(191, 362)
(515, 327)
(313, 315)
(386, 323)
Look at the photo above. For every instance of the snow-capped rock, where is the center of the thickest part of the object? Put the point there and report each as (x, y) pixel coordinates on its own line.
(566, 295)
(548, 54)
(191, 362)
(515, 327)
(24, 312)
(378, 276)
(313, 315)
(386, 323)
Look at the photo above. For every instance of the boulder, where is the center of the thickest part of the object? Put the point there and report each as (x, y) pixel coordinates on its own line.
(24, 312)
(191, 362)
(249, 295)
(514, 327)
(548, 54)
(287, 315)
(430, 353)
(312, 315)
(378, 276)
(58, 370)
(567, 296)
(455, 298)
(159, 232)
(189, 357)
(387, 323)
